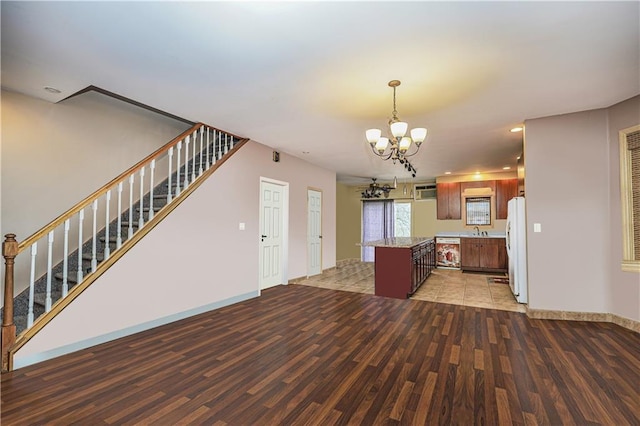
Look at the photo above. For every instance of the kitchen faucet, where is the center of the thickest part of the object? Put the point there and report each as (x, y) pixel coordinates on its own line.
(477, 230)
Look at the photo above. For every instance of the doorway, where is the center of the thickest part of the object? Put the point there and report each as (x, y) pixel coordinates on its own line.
(274, 222)
(314, 232)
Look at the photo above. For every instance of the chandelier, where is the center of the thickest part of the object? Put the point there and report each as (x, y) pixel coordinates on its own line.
(397, 146)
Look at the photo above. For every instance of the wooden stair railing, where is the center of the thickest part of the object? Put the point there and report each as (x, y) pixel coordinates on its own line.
(212, 153)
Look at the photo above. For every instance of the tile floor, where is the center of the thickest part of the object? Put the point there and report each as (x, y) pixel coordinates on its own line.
(442, 286)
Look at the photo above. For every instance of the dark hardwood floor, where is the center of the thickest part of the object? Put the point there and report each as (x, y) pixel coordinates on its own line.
(310, 356)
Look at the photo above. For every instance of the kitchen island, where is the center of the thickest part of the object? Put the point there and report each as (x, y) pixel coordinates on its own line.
(402, 265)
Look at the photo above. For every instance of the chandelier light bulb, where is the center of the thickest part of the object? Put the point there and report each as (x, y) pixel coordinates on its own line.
(399, 129)
(373, 135)
(405, 143)
(418, 135)
(381, 145)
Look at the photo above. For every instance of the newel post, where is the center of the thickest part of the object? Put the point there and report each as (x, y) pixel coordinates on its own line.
(9, 251)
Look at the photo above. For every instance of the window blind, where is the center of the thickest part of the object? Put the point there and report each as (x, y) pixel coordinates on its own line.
(633, 145)
(478, 210)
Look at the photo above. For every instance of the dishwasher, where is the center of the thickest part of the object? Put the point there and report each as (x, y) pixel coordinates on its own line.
(448, 252)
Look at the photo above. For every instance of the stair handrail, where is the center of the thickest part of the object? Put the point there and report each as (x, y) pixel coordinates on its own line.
(11, 248)
(104, 188)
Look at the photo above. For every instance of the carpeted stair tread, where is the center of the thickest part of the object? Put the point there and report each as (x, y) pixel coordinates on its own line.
(99, 256)
(146, 209)
(113, 239)
(21, 323)
(40, 298)
(125, 224)
(71, 277)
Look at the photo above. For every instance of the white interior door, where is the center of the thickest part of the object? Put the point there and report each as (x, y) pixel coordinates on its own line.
(314, 232)
(271, 238)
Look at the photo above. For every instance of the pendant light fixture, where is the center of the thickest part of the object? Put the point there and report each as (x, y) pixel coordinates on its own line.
(396, 146)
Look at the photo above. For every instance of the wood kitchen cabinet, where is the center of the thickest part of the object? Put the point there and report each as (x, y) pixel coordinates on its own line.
(506, 189)
(483, 254)
(448, 200)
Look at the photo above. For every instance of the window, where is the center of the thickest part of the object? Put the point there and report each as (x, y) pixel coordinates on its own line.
(630, 197)
(402, 219)
(478, 210)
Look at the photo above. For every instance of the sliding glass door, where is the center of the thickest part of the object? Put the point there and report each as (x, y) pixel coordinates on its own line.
(377, 223)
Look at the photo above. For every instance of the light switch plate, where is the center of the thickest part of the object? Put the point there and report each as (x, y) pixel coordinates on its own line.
(537, 227)
(241, 226)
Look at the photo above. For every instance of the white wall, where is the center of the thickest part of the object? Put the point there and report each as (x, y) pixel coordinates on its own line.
(567, 192)
(54, 155)
(573, 190)
(624, 286)
(197, 257)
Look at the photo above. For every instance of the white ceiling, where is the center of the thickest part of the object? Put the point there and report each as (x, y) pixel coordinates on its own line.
(312, 76)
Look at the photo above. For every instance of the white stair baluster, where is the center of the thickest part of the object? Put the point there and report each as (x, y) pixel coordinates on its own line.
(170, 177)
(47, 300)
(119, 230)
(94, 259)
(107, 246)
(131, 179)
(141, 217)
(80, 223)
(193, 157)
(226, 147)
(65, 261)
(219, 141)
(32, 280)
(178, 170)
(201, 141)
(186, 162)
(208, 158)
(152, 167)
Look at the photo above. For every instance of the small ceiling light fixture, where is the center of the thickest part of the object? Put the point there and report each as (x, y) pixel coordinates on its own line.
(506, 168)
(52, 90)
(447, 173)
(398, 144)
(516, 130)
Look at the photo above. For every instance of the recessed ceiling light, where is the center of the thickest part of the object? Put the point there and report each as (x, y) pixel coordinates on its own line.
(516, 129)
(447, 173)
(506, 168)
(51, 89)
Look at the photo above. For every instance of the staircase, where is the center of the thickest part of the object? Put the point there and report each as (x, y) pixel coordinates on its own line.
(21, 302)
(62, 278)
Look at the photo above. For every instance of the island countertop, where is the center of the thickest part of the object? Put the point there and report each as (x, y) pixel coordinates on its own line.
(402, 242)
(470, 235)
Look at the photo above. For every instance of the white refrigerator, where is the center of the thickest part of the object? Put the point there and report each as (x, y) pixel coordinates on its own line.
(517, 248)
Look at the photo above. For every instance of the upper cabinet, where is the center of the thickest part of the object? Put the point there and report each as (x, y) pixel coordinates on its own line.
(506, 189)
(448, 199)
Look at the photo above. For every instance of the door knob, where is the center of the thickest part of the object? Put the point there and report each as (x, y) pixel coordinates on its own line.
(262, 237)
(319, 236)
